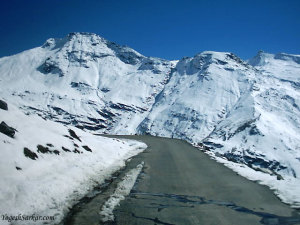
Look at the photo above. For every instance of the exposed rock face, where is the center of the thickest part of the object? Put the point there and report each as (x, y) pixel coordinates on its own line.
(7, 130)
(30, 154)
(3, 105)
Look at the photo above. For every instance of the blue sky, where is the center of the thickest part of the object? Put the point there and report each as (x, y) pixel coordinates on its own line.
(165, 29)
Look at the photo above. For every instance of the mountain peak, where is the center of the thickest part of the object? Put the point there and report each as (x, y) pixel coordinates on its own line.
(81, 48)
(82, 34)
(262, 58)
(74, 37)
(216, 56)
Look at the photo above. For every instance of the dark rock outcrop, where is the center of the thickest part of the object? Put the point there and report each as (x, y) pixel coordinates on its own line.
(30, 154)
(76, 151)
(7, 130)
(73, 134)
(56, 152)
(65, 149)
(42, 149)
(3, 105)
(87, 148)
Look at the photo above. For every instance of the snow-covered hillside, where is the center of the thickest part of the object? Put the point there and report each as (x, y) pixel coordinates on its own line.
(86, 81)
(249, 115)
(45, 167)
(245, 112)
(201, 92)
(269, 138)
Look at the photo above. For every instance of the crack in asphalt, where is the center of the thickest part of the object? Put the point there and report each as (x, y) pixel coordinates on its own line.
(266, 218)
(155, 220)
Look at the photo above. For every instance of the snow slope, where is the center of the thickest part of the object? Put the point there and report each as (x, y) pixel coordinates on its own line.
(268, 139)
(63, 167)
(201, 92)
(268, 136)
(246, 112)
(86, 81)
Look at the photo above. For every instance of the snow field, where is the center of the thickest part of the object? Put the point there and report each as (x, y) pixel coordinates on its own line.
(50, 184)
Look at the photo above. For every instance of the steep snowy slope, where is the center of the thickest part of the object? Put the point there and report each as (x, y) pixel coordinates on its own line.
(270, 137)
(281, 65)
(47, 166)
(200, 93)
(86, 81)
(246, 114)
(269, 141)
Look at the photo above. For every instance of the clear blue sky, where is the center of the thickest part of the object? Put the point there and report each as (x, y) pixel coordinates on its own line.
(160, 28)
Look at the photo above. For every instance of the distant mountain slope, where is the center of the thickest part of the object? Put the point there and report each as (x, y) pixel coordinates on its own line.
(270, 137)
(246, 112)
(86, 81)
(201, 93)
(243, 113)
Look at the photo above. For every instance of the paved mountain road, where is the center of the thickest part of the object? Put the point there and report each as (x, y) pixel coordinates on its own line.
(180, 185)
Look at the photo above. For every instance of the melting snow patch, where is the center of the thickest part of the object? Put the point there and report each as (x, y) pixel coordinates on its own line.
(123, 189)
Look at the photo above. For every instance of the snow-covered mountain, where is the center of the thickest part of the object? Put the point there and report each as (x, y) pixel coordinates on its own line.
(262, 129)
(85, 81)
(245, 111)
(201, 92)
(246, 114)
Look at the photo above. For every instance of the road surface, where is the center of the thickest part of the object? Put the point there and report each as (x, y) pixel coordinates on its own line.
(180, 185)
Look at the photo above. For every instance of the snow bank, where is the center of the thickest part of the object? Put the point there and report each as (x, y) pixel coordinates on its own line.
(123, 189)
(67, 164)
(287, 190)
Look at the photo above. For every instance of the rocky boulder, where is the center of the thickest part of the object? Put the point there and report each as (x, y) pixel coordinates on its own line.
(7, 130)
(3, 105)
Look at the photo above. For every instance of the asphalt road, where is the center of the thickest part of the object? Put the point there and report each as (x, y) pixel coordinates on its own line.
(180, 185)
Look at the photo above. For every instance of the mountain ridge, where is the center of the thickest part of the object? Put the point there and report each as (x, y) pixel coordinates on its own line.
(244, 111)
